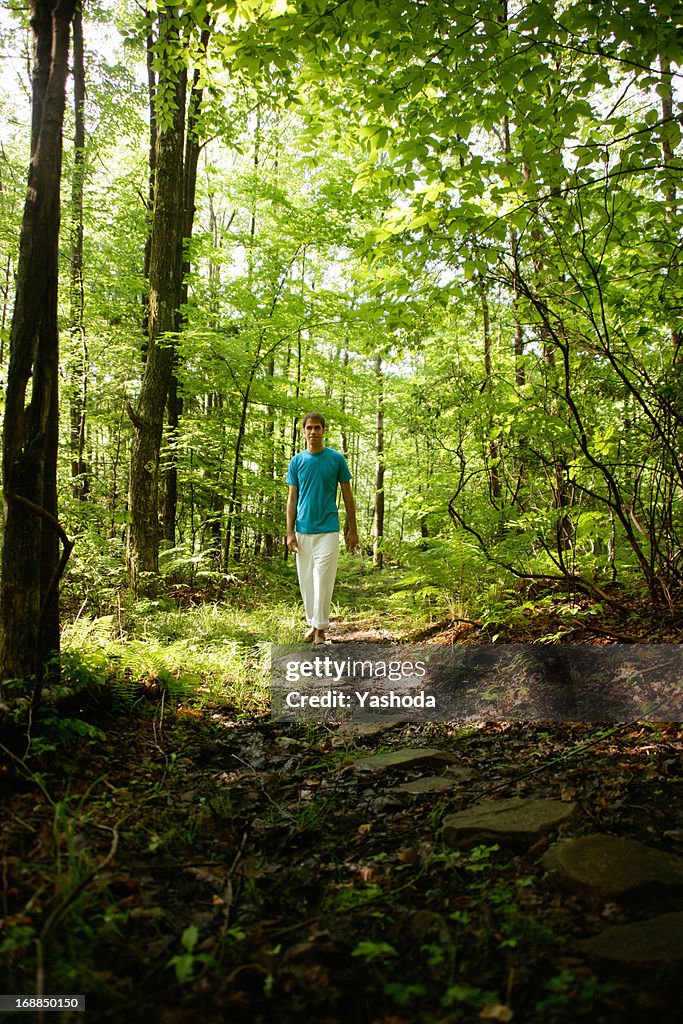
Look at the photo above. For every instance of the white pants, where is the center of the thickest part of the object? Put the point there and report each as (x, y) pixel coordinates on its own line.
(316, 565)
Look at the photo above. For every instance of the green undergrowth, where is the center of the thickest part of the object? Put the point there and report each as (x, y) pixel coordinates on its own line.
(371, 597)
(205, 651)
(204, 654)
(171, 868)
(201, 647)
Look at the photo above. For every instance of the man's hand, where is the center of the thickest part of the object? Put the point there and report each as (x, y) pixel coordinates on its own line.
(350, 528)
(292, 499)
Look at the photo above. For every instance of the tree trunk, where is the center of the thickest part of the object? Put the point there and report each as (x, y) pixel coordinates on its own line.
(79, 364)
(152, 161)
(175, 401)
(5, 291)
(164, 299)
(344, 435)
(494, 453)
(666, 92)
(28, 596)
(233, 528)
(378, 526)
(271, 504)
(211, 475)
(502, 19)
(174, 407)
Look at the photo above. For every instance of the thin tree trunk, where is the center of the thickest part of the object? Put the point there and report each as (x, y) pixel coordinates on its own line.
(666, 89)
(175, 402)
(502, 19)
(233, 530)
(344, 436)
(494, 453)
(152, 161)
(79, 364)
(29, 609)
(233, 527)
(114, 495)
(378, 525)
(518, 337)
(169, 514)
(561, 490)
(212, 473)
(297, 393)
(270, 500)
(164, 299)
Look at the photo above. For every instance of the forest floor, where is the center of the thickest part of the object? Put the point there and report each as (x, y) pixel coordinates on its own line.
(185, 862)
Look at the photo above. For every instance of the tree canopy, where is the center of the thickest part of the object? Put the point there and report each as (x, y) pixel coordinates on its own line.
(469, 212)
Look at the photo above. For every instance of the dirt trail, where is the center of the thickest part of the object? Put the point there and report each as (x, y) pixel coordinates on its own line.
(275, 873)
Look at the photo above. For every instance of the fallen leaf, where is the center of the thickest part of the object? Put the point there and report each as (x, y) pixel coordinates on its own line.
(410, 855)
(496, 1011)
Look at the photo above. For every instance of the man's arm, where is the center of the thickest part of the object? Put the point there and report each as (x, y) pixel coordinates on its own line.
(292, 498)
(351, 530)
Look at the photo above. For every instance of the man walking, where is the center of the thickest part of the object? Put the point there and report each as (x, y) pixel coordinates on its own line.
(313, 521)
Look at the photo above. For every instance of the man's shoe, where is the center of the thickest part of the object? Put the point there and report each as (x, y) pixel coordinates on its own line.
(319, 637)
(310, 634)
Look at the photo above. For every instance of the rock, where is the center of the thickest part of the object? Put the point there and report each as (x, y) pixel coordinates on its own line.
(407, 757)
(288, 743)
(387, 802)
(658, 940)
(427, 784)
(349, 731)
(608, 865)
(516, 819)
(455, 773)
(460, 773)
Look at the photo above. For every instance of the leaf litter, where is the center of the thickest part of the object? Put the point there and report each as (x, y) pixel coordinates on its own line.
(198, 866)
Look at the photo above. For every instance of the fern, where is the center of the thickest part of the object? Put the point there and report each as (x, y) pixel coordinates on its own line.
(86, 631)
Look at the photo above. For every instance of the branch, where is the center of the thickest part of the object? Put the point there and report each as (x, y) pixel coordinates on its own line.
(65, 903)
(133, 416)
(577, 581)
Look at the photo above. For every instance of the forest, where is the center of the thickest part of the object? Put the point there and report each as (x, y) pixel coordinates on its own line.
(453, 228)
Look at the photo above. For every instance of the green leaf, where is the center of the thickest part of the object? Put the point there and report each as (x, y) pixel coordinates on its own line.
(190, 937)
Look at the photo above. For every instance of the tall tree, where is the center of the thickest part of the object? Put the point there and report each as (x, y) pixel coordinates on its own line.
(79, 366)
(666, 92)
(378, 521)
(165, 276)
(29, 608)
(193, 145)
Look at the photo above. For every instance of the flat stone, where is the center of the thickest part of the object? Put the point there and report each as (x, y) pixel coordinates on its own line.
(427, 784)
(460, 773)
(349, 731)
(407, 757)
(658, 940)
(288, 743)
(518, 818)
(609, 865)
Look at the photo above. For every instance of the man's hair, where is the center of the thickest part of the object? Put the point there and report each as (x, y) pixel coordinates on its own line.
(317, 416)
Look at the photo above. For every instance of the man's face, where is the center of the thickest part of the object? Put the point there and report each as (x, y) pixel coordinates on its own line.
(314, 433)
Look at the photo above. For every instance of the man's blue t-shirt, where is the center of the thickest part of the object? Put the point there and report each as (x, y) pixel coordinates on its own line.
(316, 475)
